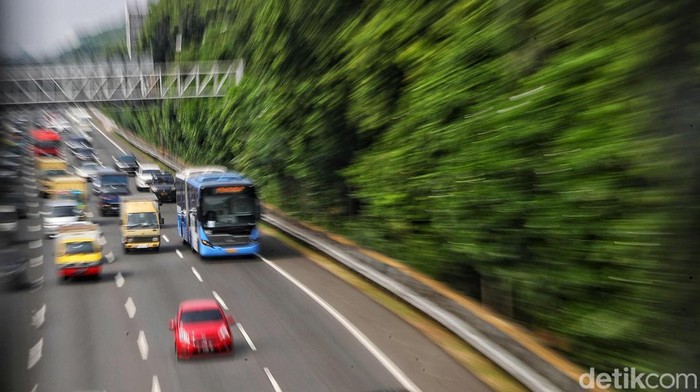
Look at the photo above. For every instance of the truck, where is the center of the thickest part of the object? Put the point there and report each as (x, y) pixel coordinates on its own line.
(68, 187)
(140, 222)
(79, 251)
(46, 168)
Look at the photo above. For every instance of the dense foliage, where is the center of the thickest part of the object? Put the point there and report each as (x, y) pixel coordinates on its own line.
(539, 156)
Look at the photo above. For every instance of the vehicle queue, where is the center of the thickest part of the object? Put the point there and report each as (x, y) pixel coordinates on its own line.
(68, 173)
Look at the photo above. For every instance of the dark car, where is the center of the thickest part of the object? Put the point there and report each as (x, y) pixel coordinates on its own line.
(163, 186)
(85, 154)
(75, 143)
(109, 199)
(126, 163)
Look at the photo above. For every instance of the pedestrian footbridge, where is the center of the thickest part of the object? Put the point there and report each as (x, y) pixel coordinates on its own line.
(116, 82)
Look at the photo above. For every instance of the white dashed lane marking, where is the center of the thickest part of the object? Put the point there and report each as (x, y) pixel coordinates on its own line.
(196, 273)
(130, 307)
(119, 279)
(178, 252)
(35, 353)
(247, 338)
(143, 345)
(165, 238)
(34, 228)
(35, 244)
(39, 317)
(221, 301)
(155, 386)
(275, 386)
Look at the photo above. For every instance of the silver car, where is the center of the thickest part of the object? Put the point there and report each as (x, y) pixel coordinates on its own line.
(88, 170)
(60, 212)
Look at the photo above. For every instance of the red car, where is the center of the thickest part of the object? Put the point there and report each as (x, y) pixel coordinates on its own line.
(201, 327)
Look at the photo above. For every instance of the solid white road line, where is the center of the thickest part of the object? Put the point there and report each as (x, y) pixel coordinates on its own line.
(130, 307)
(39, 317)
(35, 244)
(155, 386)
(35, 353)
(33, 228)
(196, 273)
(221, 301)
(178, 252)
(143, 345)
(119, 279)
(165, 238)
(364, 340)
(36, 261)
(275, 386)
(247, 338)
(107, 137)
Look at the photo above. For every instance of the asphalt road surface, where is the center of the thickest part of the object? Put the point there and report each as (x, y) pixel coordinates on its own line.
(299, 328)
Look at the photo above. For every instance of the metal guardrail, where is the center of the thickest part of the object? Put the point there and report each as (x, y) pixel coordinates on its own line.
(527, 367)
(116, 82)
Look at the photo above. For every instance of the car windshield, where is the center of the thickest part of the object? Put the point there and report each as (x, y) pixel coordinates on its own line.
(150, 171)
(142, 219)
(163, 180)
(127, 159)
(76, 248)
(196, 316)
(86, 151)
(62, 211)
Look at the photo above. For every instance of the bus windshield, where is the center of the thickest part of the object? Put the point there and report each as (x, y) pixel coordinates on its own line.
(228, 209)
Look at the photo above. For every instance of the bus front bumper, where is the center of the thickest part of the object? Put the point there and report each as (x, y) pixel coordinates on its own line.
(217, 251)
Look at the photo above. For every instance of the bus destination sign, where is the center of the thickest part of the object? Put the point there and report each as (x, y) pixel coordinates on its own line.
(229, 189)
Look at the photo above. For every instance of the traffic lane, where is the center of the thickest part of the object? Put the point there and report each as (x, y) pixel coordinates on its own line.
(89, 342)
(327, 366)
(158, 282)
(300, 372)
(285, 324)
(429, 367)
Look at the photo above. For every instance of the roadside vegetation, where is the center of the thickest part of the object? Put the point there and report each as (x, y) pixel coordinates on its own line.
(541, 157)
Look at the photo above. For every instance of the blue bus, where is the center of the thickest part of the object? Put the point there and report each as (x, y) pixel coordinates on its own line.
(217, 212)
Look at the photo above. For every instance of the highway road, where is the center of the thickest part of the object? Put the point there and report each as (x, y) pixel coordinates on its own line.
(299, 328)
